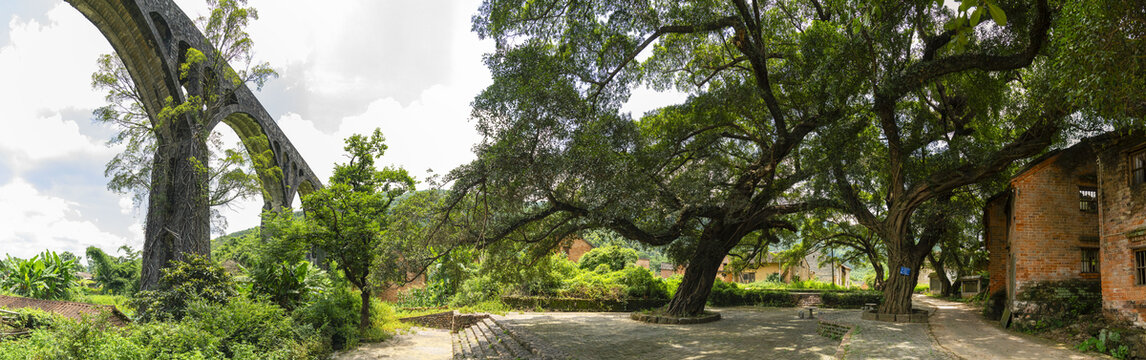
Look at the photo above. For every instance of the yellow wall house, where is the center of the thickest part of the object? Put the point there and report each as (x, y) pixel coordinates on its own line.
(760, 268)
(808, 268)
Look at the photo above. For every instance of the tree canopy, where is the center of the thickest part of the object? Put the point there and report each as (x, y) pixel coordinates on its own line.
(874, 108)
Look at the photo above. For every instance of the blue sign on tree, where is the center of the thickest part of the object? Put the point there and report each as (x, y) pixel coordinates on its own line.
(905, 271)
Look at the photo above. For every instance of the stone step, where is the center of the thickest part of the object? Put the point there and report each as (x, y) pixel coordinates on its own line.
(500, 342)
(513, 346)
(488, 339)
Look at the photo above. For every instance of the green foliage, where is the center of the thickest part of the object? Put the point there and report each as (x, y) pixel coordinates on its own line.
(1107, 342)
(241, 329)
(116, 275)
(32, 319)
(639, 283)
(434, 294)
(334, 316)
(288, 284)
(922, 288)
(730, 294)
(44, 276)
(476, 290)
(851, 299)
(348, 218)
(615, 257)
(182, 283)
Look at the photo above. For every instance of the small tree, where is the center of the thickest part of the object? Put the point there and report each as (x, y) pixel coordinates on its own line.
(347, 219)
(117, 275)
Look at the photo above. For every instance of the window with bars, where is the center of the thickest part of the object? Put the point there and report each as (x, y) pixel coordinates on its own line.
(1140, 267)
(1089, 260)
(1088, 199)
(748, 278)
(1138, 167)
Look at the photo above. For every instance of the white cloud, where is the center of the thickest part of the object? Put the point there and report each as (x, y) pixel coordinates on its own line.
(31, 222)
(46, 68)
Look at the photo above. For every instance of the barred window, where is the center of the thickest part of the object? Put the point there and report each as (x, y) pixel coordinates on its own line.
(1138, 167)
(1089, 260)
(1140, 267)
(1088, 199)
(748, 278)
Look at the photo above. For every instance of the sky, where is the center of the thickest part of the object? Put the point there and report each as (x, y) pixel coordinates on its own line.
(410, 68)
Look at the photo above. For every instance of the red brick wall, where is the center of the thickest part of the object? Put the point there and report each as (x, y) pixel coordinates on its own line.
(392, 294)
(995, 231)
(643, 263)
(575, 248)
(1123, 209)
(1048, 230)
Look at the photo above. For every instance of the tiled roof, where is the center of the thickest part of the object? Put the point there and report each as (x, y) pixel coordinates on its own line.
(69, 309)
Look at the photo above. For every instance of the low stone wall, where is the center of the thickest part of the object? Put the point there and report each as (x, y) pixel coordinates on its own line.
(448, 320)
(576, 305)
(916, 316)
(832, 329)
(664, 319)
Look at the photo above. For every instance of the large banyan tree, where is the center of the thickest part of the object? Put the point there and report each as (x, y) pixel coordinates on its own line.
(774, 89)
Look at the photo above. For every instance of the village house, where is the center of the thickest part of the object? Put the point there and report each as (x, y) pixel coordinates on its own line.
(812, 266)
(1075, 214)
(574, 248)
(1122, 213)
(1044, 226)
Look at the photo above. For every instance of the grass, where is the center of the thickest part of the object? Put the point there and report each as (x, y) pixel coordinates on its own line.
(119, 301)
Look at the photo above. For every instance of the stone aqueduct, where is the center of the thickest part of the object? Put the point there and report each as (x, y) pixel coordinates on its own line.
(151, 36)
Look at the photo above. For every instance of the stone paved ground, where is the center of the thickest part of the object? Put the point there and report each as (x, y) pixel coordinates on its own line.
(743, 333)
(962, 330)
(421, 344)
(883, 340)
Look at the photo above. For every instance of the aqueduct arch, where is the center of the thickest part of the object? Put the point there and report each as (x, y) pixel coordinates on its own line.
(151, 37)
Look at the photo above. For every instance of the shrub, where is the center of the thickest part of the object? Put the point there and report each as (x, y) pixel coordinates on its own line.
(243, 325)
(615, 257)
(592, 285)
(432, 295)
(288, 284)
(731, 294)
(922, 288)
(334, 317)
(1107, 342)
(851, 299)
(672, 283)
(184, 282)
(639, 283)
(475, 290)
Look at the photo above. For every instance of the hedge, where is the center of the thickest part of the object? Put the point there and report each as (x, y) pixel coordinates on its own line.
(851, 299)
(731, 294)
(575, 304)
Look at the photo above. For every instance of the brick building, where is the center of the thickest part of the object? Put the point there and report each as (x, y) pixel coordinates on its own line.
(1122, 210)
(1044, 226)
(575, 248)
(1078, 213)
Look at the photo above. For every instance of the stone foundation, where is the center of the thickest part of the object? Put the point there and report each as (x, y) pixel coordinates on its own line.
(916, 316)
(665, 319)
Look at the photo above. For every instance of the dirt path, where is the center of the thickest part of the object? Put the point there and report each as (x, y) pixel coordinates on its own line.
(422, 344)
(961, 330)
